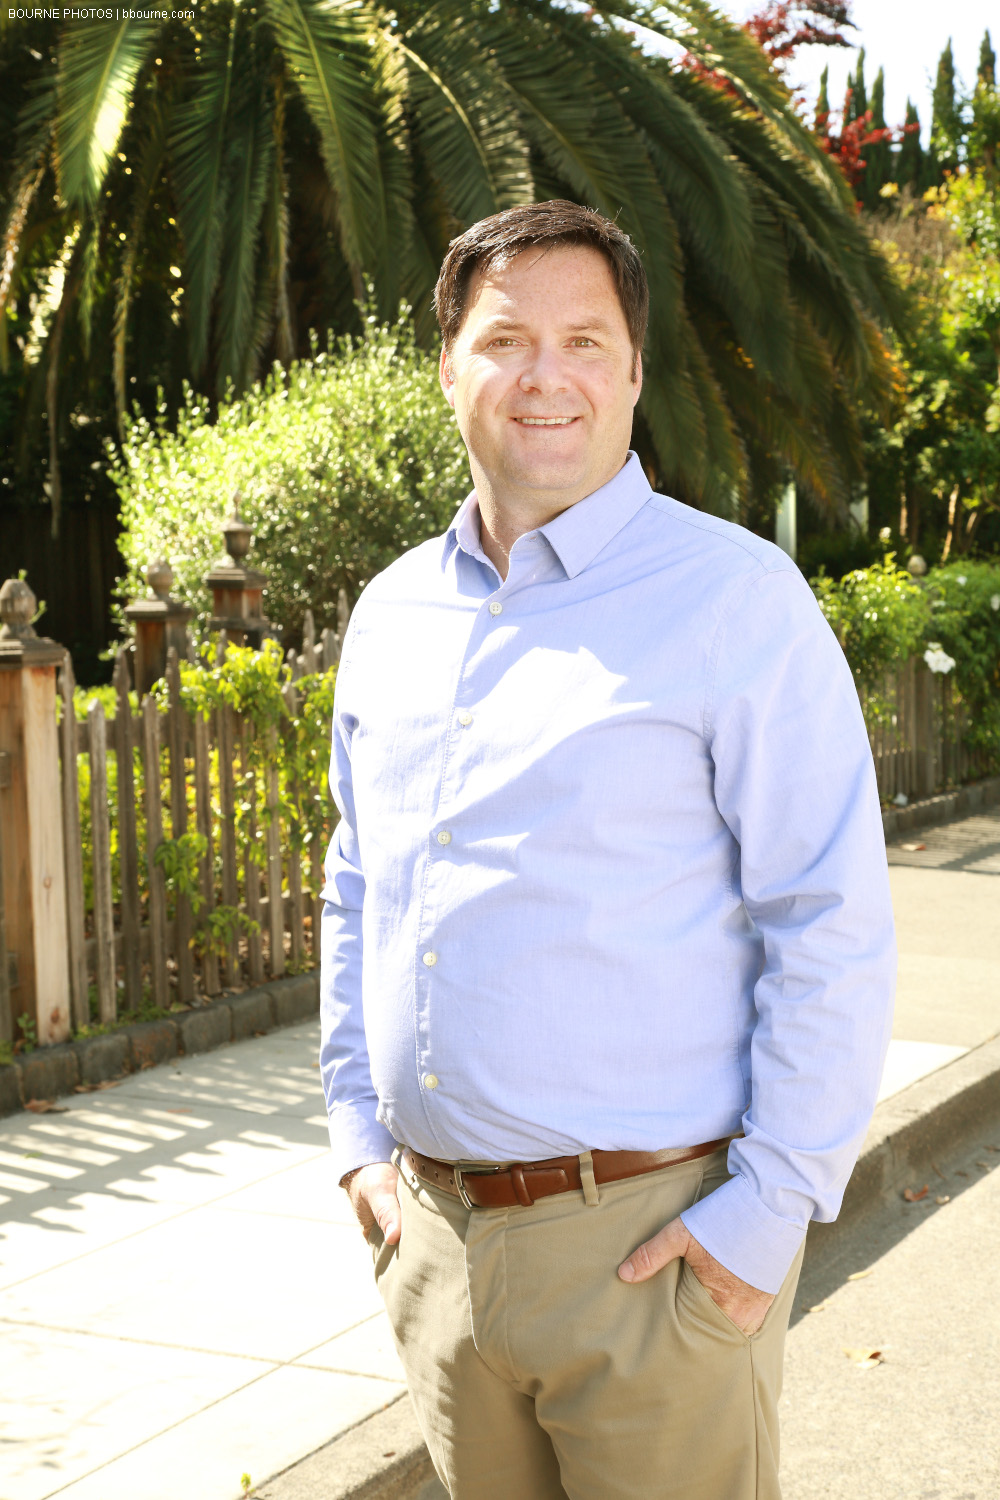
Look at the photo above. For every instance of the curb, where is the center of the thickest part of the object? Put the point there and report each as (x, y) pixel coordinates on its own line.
(382, 1458)
(923, 1121)
(71, 1067)
(942, 808)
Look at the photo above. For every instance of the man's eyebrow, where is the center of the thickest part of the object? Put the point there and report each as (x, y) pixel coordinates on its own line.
(502, 324)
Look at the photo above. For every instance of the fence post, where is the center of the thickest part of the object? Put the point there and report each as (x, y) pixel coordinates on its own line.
(34, 877)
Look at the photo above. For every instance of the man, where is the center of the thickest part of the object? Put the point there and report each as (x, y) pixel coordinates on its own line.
(607, 945)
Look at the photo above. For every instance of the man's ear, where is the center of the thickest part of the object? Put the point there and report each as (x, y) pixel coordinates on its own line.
(637, 378)
(446, 377)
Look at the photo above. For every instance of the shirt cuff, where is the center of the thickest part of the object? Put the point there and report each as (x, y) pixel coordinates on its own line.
(357, 1138)
(748, 1239)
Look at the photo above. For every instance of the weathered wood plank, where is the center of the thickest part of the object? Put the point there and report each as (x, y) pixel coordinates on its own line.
(251, 870)
(128, 844)
(178, 728)
(154, 838)
(6, 1009)
(203, 814)
(316, 900)
(275, 910)
(100, 839)
(73, 849)
(227, 832)
(296, 909)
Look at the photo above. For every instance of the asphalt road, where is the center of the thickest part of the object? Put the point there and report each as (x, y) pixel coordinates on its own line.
(921, 1419)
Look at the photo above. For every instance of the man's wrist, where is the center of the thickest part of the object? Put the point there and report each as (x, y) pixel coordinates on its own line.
(348, 1177)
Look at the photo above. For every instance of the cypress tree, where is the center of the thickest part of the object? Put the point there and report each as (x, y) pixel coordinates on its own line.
(910, 161)
(946, 121)
(987, 74)
(857, 91)
(823, 102)
(878, 155)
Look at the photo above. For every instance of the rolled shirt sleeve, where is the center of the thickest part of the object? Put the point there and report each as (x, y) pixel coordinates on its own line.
(356, 1135)
(795, 783)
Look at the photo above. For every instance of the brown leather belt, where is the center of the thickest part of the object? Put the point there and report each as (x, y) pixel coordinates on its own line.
(522, 1183)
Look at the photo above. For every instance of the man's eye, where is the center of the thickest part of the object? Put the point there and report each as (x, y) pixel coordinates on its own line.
(583, 340)
(494, 342)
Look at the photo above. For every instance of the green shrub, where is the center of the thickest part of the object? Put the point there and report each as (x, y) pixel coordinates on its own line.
(964, 599)
(878, 614)
(342, 462)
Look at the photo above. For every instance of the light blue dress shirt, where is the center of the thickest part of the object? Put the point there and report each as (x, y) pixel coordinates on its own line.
(610, 868)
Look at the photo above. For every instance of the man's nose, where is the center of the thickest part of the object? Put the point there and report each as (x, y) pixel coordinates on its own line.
(545, 371)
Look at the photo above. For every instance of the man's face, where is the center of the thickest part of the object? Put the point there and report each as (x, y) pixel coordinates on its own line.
(540, 377)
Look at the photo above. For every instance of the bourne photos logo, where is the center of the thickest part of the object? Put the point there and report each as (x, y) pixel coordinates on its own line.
(93, 13)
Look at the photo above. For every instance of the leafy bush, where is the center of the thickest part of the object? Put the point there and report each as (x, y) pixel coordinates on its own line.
(882, 617)
(342, 462)
(878, 614)
(964, 600)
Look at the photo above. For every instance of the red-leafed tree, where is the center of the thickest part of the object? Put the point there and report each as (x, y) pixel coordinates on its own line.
(782, 26)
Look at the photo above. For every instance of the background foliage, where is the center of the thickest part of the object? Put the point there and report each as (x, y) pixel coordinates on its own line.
(342, 463)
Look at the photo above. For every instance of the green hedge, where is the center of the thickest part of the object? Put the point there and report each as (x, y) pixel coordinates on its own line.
(342, 462)
(882, 617)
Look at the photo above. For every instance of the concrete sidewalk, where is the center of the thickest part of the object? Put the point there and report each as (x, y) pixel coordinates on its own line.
(184, 1297)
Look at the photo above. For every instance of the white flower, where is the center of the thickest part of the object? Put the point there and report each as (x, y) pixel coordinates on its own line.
(938, 660)
(995, 601)
(962, 579)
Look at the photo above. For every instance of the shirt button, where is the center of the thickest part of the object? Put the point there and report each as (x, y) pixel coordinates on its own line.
(496, 607)
(430, 959)
(430, 1080)
(444, 837)
(465, 718)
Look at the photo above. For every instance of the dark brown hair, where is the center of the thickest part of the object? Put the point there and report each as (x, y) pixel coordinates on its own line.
(496, 240)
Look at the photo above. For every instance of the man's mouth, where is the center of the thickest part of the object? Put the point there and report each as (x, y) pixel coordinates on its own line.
(545, 421)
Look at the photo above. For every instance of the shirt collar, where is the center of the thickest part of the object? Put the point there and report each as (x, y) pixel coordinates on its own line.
(581, 531)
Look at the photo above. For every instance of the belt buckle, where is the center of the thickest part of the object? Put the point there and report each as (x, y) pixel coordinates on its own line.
(459, 1176)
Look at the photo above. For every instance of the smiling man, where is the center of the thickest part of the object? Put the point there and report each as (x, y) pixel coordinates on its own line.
(608, 955)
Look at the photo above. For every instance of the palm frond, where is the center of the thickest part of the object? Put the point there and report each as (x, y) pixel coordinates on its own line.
(327, 47)
(463, 117)
(152, 151)
(250, 158)
(198, 145)
(98, 64)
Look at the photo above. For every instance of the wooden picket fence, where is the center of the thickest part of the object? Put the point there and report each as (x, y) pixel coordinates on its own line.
(252, 907)
(917, 726)
(141, 948)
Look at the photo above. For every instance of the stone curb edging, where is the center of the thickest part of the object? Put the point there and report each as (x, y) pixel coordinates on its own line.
(70, 1066)
(384, 1457)
(942, 808)
(928, 1119)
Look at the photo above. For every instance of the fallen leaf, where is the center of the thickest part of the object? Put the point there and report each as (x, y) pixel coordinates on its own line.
(943, 1199)
(391, 1453)
(939, 1171)
(109, 1083)
(960, 1173)
(819, 1306)
(912, 848)
(178, 1111)
(865, 1359)
(315, 1065)
(913, 1197)
(984, 1164)
(859, 1275)
(46, 1107)
(991, 1148)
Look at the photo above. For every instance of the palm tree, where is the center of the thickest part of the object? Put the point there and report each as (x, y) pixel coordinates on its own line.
(186, 199)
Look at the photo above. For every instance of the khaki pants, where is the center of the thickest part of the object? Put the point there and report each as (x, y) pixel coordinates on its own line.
(537, 1374)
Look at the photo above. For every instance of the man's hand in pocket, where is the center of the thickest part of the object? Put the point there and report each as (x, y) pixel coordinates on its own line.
(374, 1198)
